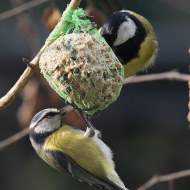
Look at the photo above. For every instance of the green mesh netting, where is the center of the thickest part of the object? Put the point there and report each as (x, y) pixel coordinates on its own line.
(80, 66)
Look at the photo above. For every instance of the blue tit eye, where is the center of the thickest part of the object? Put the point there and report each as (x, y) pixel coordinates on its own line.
(43, 114)
(50, 114)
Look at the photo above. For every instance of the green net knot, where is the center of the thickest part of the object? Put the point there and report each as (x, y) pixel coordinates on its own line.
(72, 20)
(82, 24)
(64, 24)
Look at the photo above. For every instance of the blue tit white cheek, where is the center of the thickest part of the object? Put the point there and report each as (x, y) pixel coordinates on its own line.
(126, 31)
(48, 125)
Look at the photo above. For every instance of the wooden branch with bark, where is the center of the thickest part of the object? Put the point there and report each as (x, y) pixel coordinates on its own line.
(29, 72)
(164, 178)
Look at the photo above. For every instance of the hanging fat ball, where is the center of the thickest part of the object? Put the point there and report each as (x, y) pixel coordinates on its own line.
(82, 68)
(61, 143)
(132, 39)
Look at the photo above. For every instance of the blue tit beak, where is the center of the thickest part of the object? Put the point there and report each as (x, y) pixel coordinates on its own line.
(66, 109)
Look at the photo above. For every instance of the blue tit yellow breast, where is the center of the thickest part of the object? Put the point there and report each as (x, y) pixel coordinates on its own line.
(83, 150)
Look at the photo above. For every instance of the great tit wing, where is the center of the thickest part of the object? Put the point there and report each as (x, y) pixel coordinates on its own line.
(66, 164)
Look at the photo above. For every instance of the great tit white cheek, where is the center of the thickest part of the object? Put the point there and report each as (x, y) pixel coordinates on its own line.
(126, 31)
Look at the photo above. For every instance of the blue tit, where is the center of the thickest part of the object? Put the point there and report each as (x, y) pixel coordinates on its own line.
(58, 138)
(132, 39)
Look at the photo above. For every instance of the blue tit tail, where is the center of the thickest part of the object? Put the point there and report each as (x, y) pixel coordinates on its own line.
(68, 165)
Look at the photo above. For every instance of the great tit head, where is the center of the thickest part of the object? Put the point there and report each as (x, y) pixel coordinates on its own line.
(125, 31)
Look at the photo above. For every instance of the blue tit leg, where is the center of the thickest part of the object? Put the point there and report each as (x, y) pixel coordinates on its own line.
(90, 130)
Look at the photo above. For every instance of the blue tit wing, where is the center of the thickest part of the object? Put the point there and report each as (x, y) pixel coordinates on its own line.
(64, 163)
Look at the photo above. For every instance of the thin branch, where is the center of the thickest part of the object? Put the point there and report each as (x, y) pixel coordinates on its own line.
(188, 116)
(13, 139)
(170, 75)
(27, 27)
(171, 185)
(164, 178)
(74, 3)
(29, 71)
(22, 81)
(182, 5)
(21, 8)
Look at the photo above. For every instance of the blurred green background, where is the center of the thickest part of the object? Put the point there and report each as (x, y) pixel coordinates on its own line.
(146, 127)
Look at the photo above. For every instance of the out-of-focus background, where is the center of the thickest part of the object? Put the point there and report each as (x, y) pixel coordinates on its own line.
(146, 127)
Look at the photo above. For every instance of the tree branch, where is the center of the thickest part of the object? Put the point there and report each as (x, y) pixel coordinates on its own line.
(170, 75)
(29, 72)
(14, 138)
(164, 178)
(21, 8)
(22, 81)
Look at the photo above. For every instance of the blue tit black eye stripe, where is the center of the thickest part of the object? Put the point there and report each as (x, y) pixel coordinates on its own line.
(42, 114)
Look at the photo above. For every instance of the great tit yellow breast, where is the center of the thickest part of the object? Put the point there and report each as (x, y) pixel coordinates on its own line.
(85, 151)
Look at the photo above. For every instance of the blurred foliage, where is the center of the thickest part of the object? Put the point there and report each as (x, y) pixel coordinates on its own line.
(146, 127)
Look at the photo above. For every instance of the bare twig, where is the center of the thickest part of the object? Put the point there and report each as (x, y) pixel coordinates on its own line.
(164, 178)
(171, 185)
(182, 5)
(27, 27)
(188, 116)
(170, 75)
(22, 81)
(21, 8)
(13, 139)
(74, 3)
(29, 72)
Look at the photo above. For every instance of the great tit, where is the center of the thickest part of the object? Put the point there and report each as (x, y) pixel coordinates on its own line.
(58, 138)
(132, 39)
